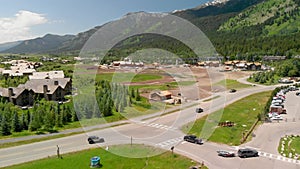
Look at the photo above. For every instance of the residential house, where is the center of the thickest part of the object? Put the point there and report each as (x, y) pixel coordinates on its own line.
(165, 96)
(161, 95)
(18, 96)
(50, 89)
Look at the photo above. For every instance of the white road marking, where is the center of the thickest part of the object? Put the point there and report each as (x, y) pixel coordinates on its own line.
(271, 156)
(169, 142)
(160, 126)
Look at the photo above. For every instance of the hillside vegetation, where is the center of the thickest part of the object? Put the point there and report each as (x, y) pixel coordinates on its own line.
(278, 17)
(244, 29)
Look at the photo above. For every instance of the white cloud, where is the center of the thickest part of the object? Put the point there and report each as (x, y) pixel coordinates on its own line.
(19, 26)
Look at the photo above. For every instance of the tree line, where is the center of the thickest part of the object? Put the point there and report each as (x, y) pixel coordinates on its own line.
(286, 68)
(44, 116)
(48, 116)
(110, 98)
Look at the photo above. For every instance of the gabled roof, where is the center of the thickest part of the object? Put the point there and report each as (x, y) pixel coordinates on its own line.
(37, 85)
(16, 91)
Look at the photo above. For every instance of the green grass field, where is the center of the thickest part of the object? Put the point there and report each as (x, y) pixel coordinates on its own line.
(289, 146)
(232, 84)
(110, 160)
(243, 113)
(127, 77)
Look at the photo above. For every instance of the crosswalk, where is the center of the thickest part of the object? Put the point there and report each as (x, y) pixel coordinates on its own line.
(278, 157)
(271, 156)
(159, 126)
(169, 143)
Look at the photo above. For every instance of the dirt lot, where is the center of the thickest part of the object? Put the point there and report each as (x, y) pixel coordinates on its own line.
(204, 78)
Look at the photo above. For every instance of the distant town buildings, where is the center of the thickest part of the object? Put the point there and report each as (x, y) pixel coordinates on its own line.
(47, 75)
(241, 65)
(127, 63)
(20, 68)
(209, 63)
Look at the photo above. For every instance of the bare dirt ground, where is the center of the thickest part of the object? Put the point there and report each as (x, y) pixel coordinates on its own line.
(204, 80)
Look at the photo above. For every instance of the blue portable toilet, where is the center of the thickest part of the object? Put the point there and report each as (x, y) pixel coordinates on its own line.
(95, 162)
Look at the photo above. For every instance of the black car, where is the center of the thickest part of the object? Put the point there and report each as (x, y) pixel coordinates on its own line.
(224, 153)
(95, 139)
(247, 152)
(199, 110)
(193, 139)
(232, 90)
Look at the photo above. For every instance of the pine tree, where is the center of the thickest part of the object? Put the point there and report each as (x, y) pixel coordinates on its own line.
(24, 122)
(15, 123)
(132, 93)
(74, 117)
(4, 128)
(138, 96)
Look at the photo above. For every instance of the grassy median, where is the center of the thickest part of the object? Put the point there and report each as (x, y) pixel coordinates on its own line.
(232, 84)
(243, 113)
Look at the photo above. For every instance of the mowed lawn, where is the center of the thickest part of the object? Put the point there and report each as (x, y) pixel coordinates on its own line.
(243, 113)
(127, 77)
(232, 84)
(81, 160)
(289, 146)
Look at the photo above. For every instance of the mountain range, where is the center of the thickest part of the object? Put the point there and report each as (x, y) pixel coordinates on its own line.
(235, 27)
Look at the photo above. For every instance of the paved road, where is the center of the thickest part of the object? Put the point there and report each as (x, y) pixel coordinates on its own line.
(162, 131)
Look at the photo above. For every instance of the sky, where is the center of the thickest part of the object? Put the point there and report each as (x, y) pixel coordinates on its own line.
(27, 19)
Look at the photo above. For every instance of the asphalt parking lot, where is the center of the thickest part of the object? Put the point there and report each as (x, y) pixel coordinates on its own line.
(292, 106)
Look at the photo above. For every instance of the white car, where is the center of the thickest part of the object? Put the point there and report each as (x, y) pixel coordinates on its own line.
(276, 118)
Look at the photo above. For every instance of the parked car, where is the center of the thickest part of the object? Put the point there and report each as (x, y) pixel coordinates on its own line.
(247, 152)
(95, 139)
(276, 118)
(224, 153)
(277, 101)
(199, 110)
(232, 90)
(277, 105)
(193, 139)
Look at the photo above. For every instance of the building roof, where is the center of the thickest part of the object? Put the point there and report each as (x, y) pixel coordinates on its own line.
(164, 93)
(16, 91)
(228, 63)
(47, 75)
(37, 85)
